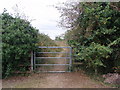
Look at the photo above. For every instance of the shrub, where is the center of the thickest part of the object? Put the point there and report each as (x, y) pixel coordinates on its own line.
(93, 55)
(19, 38)
(93, 22)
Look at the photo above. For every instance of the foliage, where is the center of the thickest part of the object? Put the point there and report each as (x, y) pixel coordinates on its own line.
(59, 38)
(45, 40)
(94, 33)
(19, 38)
(93, 55)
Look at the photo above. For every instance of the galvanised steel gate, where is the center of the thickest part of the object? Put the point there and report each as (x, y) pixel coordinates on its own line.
(34, 63)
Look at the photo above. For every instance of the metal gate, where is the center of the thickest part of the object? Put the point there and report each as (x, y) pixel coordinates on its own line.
(36, 58)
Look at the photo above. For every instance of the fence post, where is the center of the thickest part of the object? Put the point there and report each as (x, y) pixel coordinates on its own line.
(31, 60)
(34, 54)
(70, 59)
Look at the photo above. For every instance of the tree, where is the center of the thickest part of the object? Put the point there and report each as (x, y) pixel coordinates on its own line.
(96, 23)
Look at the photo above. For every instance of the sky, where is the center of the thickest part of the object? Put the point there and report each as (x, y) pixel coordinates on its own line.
(42, 13)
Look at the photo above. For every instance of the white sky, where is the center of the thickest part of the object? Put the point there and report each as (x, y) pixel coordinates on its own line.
(46, 17)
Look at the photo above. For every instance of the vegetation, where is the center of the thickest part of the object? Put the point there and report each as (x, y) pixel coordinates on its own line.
(94, 34)
(45, 40)
(19, 38)
(59, 38)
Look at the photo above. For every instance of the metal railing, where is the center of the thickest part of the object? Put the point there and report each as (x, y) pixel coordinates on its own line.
(34, 58)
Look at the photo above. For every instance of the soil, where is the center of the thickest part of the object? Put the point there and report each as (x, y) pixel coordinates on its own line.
(52, 80)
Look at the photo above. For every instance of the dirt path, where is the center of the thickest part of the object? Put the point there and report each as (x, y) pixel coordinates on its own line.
(61, 61)
(53, 80)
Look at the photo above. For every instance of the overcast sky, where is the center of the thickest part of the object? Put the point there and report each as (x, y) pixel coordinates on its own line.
(45, 16)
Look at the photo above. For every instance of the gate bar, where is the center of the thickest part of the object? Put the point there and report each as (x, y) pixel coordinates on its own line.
(52, 52)
(51, 71)
(49, 64)
(52, 57)
(52, 47)
(70, 59)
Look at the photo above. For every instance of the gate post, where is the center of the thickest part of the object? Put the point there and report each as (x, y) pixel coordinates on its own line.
(31, 60)
(34, 54)
(70, 59)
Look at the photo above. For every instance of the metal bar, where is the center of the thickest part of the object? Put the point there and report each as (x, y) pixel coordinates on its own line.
(52, 52)
(68, 57)
(52, 57)
(52, 71)
(49, 64)
(31, 61)
(34, 61)
(51, 47)
(70, 60)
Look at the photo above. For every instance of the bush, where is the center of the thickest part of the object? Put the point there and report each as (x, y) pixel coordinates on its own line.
(98, 23)
(19, 38)
(93, 55)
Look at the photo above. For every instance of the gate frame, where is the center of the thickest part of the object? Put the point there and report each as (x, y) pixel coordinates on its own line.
(33, 59)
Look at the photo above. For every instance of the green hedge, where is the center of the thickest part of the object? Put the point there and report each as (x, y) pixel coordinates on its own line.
(96, 36)
(19, 38)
